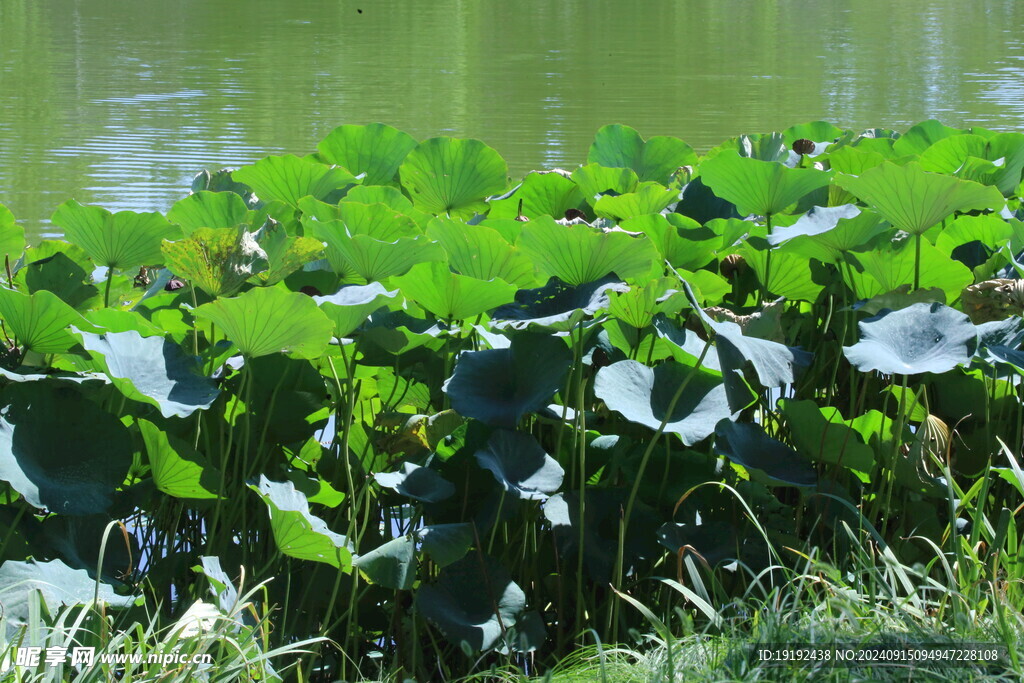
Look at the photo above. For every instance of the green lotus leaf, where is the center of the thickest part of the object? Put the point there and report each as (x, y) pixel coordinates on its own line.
(376, 150)
(680, 240)
(446, 543)
(61, 451)
(747, 444)
(472, 602)
(891, 266)
(773, 363)
(922, 136)
(119, 240)
(66, 273)
(349, 307)
(285, 254)
(419, 483)
(378, 221)
(12, 236)
(209, 210)
(1006, 150)
(481, 252)
(821, 435)
(916, 339)
(218, 261)
(450, 296)
(698, 202)
(789, 276)
(390, 197)
(499, 386)
(542, 193)
(649, 198)
(763, 188)
(520, 465)
(269, 320)
(639, 305)
(990, 230)
(618, 146)
(392, 565)
(453, 177)
(577, 254)
(397, 332)
(153, 370)
(763, 147)
(290, 178)
(297, 532)
(178, 469)
(59, 586)
(369, 258)
(914, 200)
(594, 180)
(685, 346)
(825, 232)
(644, 395)
(815, 131)
(39, 322)
(949, 154)
(556, 307)
(853, 160)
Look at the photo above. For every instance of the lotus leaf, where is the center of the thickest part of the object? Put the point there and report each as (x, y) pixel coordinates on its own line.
(352, 304)
(450, 296)
(298, 533)
(178, 470)
(826, 232)
(595, 181)
(577, 254)
(392, 565)
(285, 254)
(542, 194)
(39, 322)
(209, 210)
(647, 396)
(218, 261)
(821, 435)
(647, 199)
(500, 386)
(520, 465)
(12, 235)
(763, 188)
(680, 240)
(120, 240)
(290, 178)
(556, 306)
(61, 451)
(419, 483)
(446, 543)
(481, 252)
(449, 176)
(269, 320)
(376, 150)
(916, 339)
(748, 445)
(619, 146)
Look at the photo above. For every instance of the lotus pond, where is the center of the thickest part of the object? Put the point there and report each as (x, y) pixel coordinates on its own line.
(449, 422)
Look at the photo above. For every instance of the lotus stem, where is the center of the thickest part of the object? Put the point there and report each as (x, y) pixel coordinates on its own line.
(917, 262)
(106, 289)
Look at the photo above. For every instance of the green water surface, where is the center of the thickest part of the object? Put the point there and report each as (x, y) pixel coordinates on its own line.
(120, 102)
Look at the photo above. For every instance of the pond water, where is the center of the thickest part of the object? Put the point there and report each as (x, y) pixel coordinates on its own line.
(120, 102)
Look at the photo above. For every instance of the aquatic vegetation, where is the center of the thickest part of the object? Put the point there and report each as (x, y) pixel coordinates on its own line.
(455, 421)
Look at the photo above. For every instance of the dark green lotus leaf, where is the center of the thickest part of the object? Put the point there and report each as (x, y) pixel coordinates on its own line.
(418, 483)
(922, 136)
(595, 180)
(649, 198)
(1008, 333)
(392, 565)
(61, 451)
(376, 150)
(154, 370)
(349, 307)
(453, 177)
(77, 378)
(218, 261)
(990, 230)
(39, 322)
(773, 363)
(59, 586)
(481, 252)
(686, 346)
(618, 146)
(450, 296)
(577, 254)
(759, 187)
(178, 469)
(821, 435)
(914, 200)
(556, 306)
(916, 339)
(698, 202)
(900, 297)
(520, 465)
(825, 232)
(269, 320)
(397, 332)
(58, 274)
(714, 541)
(680, 240)
(209, 210)
(120, 240)
(472, 601)
(526, 635)
(542, 193)
(221, 181)
(12, 236)
(289, 178)
(446, 543)
(644, 396)
(297, 532)
(748, 445)
(500, 386)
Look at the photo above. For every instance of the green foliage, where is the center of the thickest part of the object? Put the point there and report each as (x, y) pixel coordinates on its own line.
(448, 428)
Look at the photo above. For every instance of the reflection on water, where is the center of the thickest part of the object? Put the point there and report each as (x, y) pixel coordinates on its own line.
(120, 102)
